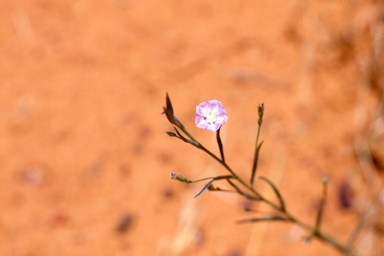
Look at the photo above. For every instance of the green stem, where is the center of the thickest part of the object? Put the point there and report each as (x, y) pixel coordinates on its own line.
(255, 156)
(235, 176)
(211, 178)
(322, 236)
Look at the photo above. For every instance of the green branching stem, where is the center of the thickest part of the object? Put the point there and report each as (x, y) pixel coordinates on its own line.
(290, 218)
(252, 193)
(322, 236)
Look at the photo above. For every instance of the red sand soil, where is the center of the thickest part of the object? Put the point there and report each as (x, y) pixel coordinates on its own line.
(85, 161)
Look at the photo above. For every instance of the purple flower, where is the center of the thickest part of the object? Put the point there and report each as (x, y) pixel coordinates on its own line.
(210, 115)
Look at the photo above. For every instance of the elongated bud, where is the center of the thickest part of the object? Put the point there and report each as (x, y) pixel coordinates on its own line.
(261, 109)
(178, 177)
(168, 110)
(261, 112)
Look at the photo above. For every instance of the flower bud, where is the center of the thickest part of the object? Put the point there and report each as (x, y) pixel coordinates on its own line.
(261, 109)
(261, 112)
(180, 178)
(173, 176)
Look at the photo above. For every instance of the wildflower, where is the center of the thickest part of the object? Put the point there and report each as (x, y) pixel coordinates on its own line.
(210, 115)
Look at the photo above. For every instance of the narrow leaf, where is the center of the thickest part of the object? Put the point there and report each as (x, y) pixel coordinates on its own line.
(241, 192)
(204, 188)
(282, 205)
(321, 207)
(171, 134)
(220, 144)
(268, 218)
(227, 177)
(255, 160)
(183, 138)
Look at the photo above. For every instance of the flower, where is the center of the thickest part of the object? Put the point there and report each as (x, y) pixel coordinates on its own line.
(210, 115)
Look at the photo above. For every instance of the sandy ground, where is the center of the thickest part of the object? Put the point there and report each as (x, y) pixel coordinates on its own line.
(84, 158)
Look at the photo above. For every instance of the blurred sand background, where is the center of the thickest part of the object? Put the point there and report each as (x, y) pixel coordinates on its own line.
(84, 158)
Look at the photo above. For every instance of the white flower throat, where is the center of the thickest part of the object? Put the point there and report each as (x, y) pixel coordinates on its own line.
(210, 116)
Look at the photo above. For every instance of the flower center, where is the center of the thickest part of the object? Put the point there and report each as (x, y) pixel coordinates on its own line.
(211, 117)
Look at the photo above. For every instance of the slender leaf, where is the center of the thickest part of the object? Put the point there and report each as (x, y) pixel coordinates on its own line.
(255, 160)
(181, 136)
(282, 205)
(267, 218)
(220, 144)
(321, 207)
(227, 177)
(241, 192)
(204, 188)
(223, 177)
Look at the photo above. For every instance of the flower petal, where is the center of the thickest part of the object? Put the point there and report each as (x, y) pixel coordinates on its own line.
(211, 127)
(201, 111)
(213, 105)
(200, 119)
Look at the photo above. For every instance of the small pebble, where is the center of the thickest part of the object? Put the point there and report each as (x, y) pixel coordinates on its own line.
(168, 193)
(345, 195)
(124, 223)
(145, 132)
